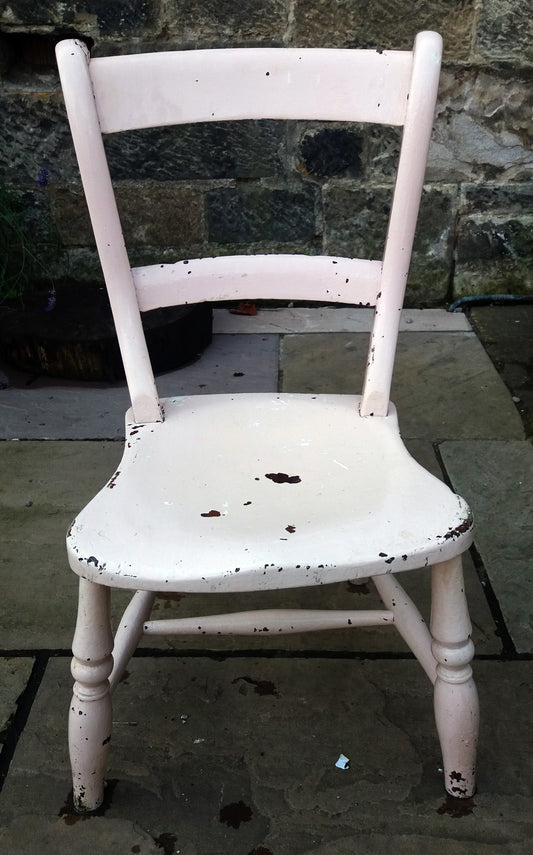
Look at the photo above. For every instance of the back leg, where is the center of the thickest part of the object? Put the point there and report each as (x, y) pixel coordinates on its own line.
(455, 694)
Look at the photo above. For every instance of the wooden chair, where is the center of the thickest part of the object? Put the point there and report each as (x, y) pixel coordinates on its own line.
(209, 486)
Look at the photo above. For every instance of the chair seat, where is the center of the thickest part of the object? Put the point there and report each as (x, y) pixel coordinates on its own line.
(262, 491)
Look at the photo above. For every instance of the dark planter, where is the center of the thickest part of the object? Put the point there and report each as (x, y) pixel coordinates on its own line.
(76, 339)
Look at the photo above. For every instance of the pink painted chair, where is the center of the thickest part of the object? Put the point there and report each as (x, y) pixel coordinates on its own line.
(209, 486)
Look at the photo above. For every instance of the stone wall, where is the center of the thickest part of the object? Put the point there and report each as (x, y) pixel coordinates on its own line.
(265, 186)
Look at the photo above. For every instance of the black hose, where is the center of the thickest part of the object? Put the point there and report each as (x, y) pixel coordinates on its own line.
(484, 299)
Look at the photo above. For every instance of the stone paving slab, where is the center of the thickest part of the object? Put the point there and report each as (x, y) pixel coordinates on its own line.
(496, 478)
(31, 835)
(40, 491)
(328, 319)
(507, 335)
(252, 769)
(444, 386)
(44, 485)
(59, 409)
(14, 674)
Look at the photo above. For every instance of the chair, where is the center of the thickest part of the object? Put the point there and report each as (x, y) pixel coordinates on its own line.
(249, 492)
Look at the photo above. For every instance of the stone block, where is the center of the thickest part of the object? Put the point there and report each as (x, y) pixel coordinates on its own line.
(483, 129)
(329, 152)
(122, 17)
(247, 149)
(28, 12)
(504, 32)
(431, 267)
(78, 264)
(250, 214)
(493, 244)
(225, 23)
(96, 16)
(35, 134)
(81, 263)
(161, 214)
(355, 225)
(382, 151)
(383, 24)
(493, 255)
(71, 217)
(35, 211)
(497, 198)
(355, 219)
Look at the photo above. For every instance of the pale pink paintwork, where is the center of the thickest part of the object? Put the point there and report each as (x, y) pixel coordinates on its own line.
(252, 492)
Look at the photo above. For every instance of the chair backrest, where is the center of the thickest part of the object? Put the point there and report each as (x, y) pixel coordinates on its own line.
(111, 94)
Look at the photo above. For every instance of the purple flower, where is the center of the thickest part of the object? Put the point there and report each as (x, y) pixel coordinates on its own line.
(42, 179)
(51, 300)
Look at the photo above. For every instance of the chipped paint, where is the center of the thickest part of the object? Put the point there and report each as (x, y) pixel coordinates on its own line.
(113, 480)
(456, 807)
(283, 478)
(460, 529)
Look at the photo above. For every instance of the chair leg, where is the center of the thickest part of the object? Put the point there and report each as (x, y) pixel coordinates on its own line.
(455, 695)
(90, 710)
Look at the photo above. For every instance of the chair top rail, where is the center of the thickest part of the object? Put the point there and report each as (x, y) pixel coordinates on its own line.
(166, 88)
(281, 277)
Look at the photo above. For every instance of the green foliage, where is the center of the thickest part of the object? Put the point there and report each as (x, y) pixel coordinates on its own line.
(18, 263)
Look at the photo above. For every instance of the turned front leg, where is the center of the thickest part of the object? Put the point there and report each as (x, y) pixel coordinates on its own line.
(455, 695)
(90, 714)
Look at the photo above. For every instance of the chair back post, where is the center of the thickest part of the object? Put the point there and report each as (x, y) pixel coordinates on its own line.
(73, 62)
(416, 138)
